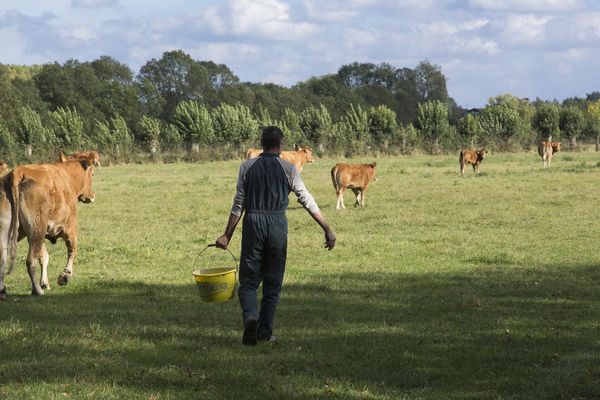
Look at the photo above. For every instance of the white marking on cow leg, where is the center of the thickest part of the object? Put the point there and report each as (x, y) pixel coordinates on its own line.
(31, 265)
(337, 203)
(4, 227)
(342, 200)
(44, 260)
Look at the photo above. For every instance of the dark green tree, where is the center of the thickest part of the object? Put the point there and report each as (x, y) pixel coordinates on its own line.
(546, 120)
(571, 123)
(174, 78)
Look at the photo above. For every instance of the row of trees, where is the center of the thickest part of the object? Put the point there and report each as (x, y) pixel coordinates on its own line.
(180, 106)
(510, 123)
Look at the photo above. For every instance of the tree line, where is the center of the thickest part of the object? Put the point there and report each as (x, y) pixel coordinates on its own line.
(177, 107)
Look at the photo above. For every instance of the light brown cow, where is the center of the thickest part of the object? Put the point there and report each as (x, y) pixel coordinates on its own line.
(299, 157)
(39, 202)
(546, 149)
(81, 155)
(354, 176)
(253, 152)
(473, 157)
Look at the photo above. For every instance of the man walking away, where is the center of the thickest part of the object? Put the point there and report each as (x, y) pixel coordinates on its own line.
(263, 186)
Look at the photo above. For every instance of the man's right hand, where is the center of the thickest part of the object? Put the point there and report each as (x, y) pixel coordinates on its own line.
(222, 242)
(329, 239)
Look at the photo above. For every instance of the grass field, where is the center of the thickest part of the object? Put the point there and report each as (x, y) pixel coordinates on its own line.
(443, 287)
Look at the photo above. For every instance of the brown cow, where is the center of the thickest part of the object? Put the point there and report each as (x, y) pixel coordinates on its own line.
(81, 155)
(546, 149)
(253, 152)
(354, 176)
(299, 157)
(39, 202)
(473, 157)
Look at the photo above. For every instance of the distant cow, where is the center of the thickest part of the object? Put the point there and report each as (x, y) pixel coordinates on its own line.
(81, 155)
(253, 152)
(473, 157)
(546, 150)
(39, 202)
(3, 167)
(299, 157)
(354, 176)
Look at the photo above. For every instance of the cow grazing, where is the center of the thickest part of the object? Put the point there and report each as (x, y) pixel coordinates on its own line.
(354, 176)
(253, 152)
(299, 157)
(546, 149)
(81, 155)
(473, 157)
(39, 202)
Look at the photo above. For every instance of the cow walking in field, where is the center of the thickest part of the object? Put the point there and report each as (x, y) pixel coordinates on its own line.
(354, 176)
(39, 202)
(298, 157)
(546, 150)
(473, 157)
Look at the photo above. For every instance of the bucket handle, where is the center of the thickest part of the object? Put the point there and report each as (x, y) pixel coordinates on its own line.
(237, 265)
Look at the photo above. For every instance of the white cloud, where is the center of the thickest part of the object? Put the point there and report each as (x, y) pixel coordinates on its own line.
(268, 19)
(331, 11)
(525, 28)
(527, 5)
(78, 32)
(93, 4)
(354, 37)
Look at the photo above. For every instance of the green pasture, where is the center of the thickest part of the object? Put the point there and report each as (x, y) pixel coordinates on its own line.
(443, 287)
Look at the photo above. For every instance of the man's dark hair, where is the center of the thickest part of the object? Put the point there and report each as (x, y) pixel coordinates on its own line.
(271, 137)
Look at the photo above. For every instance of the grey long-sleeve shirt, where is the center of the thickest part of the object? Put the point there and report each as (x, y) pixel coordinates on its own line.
(265, 183)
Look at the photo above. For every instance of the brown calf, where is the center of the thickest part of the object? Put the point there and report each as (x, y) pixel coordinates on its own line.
(299, 157)
(473, 157)
(253, 152)
(354, 176)
(546, 150)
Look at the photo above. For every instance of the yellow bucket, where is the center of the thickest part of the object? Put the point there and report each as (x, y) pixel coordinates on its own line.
(216, 284)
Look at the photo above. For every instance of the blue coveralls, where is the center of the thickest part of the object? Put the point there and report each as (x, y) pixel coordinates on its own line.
(264, 240)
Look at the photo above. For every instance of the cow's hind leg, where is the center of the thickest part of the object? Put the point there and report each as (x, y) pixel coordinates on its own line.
(44, 260)
(4, 258)
(340, 201)
(35, 251)
(357, 194)
(71, 242)
(363, 194)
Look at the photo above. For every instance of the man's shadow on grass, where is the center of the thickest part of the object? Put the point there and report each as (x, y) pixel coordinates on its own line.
(512, 332)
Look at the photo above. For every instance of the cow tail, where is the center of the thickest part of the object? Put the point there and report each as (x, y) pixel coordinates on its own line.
(461, 159)
(334, 179)
(13, 232)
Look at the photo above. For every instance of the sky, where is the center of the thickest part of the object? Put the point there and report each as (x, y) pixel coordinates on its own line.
(529, 48)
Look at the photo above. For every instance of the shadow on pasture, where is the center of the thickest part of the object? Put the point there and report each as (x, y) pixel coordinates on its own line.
(483, 334)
